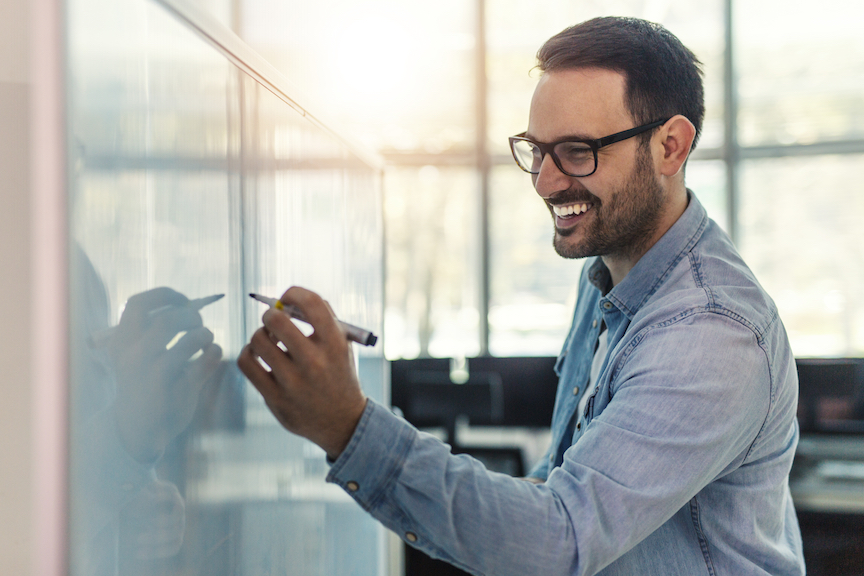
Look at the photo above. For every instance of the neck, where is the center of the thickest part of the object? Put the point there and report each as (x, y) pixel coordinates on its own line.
(620, 264)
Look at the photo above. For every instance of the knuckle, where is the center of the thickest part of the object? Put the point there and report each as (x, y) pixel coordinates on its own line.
(273, 319)
(259, 338)
(302, 296)
(316, 364)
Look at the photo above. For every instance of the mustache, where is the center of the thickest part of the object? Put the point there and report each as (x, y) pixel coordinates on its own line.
(572, 197)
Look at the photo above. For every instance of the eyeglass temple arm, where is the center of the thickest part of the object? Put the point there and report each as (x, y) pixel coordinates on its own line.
(628, 133)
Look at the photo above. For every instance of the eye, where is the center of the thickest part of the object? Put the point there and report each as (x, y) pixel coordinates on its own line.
(573, 151)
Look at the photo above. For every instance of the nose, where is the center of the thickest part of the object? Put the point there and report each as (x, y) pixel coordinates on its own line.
(550, 179)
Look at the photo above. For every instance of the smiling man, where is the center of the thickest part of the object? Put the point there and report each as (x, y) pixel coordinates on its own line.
(674, 425)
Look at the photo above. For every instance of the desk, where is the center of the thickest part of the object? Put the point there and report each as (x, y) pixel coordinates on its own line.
(827, 485)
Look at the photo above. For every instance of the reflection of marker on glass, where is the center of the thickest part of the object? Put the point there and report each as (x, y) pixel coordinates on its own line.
(99, 339)
(354, 333)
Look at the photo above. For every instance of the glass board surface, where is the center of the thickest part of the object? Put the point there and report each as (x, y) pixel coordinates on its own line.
(192, 185)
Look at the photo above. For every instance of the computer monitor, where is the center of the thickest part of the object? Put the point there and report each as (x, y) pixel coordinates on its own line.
(831, 395)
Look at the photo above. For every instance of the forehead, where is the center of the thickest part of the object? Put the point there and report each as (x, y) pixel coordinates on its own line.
(586, 102)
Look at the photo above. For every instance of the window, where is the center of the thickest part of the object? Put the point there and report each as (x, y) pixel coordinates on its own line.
(438, 88)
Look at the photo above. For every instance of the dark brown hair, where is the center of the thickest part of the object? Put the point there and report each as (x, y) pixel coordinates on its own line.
(664, 78)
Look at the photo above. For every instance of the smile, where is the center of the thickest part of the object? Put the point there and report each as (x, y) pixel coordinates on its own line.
(571, 209)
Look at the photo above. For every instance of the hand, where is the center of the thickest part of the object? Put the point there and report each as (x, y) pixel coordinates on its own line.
(152, 525)
(158, 388)
(312, 387)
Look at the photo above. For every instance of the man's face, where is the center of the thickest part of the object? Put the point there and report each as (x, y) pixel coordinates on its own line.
(615, 211)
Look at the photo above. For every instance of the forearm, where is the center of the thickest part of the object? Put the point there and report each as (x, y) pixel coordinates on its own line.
(450, 506)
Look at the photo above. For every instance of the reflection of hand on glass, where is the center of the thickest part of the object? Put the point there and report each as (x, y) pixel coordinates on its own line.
(152, 524)
(134, 390)
(162, 361)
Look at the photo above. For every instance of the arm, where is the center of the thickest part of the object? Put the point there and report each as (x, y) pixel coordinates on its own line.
(670, 429)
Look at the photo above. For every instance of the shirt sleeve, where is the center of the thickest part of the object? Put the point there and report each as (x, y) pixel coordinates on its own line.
(541, 468)
(688, 401)
(450, 506)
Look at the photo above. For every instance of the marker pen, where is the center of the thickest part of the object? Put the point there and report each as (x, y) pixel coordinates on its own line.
(353, 333)
(102, 337)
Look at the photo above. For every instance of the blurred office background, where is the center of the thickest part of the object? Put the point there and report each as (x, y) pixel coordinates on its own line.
(437, 88)
(360, 147)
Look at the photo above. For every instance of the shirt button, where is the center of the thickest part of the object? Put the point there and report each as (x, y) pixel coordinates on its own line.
(576, 391)
(607, 305)
(551, 458)
(594, 324)
(579, 426)
(411, 537)
(353, 486)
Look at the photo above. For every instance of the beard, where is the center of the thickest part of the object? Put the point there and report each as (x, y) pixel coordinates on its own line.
(624, 224)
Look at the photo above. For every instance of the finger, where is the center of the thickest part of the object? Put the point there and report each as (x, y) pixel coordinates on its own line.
(177, 319)
(143, 302)
(261, 378)
(194, 374)
(316, 311)
(136, 317)
(165, 328)
(208, 362)
(188, 345)
(270, 353)
(276, 341)
(202, 370)
(280, 328)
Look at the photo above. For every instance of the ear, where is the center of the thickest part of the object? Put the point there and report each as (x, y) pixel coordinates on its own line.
(676, 137)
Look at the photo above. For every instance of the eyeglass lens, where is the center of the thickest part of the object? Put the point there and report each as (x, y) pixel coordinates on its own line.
(574, 158)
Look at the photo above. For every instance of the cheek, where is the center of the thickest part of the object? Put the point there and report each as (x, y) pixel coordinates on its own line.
(608, 183)
(598, 186)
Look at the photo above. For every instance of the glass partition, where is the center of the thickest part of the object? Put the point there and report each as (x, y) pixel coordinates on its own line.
(192, 184)
(801, 234)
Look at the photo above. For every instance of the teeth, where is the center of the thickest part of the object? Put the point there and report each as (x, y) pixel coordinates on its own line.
(570, 209)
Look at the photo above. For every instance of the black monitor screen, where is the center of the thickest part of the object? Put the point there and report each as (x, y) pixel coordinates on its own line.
(831, 395)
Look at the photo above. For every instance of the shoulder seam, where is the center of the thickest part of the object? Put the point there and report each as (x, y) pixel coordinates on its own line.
(720, 311)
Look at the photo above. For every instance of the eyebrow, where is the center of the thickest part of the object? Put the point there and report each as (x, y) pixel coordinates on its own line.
(565, 138)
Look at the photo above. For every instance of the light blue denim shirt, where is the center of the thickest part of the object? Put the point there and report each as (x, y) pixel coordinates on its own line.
(679, 464)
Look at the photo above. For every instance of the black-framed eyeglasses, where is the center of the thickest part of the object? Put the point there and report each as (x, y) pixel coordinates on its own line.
(576, 158)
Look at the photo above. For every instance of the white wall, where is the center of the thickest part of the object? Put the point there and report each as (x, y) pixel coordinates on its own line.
(16, 439)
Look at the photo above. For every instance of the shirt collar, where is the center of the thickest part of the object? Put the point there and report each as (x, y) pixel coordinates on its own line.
(649, 272)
